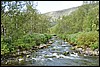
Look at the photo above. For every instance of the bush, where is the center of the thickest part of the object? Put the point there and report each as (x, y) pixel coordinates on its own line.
(89, 39)
(4, 48)
(94, 46)
(86, 38)
(27, 41)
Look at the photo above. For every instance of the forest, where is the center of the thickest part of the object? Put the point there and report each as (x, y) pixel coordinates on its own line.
(24, 29)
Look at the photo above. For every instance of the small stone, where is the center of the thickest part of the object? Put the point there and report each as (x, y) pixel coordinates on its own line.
(73, 48)
(21, 59)
(6, 63)
(50, 42)
(24, 52)
(66, 53)
(28, 56)
(79, 49)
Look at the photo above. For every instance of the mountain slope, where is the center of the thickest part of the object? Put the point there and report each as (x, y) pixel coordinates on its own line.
(57, 14)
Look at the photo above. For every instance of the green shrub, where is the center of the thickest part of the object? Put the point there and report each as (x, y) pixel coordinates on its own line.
(86, 38)
(4, 48)
(94, 45)
(90, 39)
(26, 41)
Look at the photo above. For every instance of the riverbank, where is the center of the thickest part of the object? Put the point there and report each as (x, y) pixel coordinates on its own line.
(23, 45)
(86, 51)
(86, 43)
(20, 52)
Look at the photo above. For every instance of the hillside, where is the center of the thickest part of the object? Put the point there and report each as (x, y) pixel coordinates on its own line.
(57, 14)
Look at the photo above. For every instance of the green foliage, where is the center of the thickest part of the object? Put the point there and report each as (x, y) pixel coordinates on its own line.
(27, 41)
(94, 45)
(85, 18)
(4, 48)
(89, 39)
(20, 28)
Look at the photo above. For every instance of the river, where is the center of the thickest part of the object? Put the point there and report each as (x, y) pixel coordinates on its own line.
(54, 55)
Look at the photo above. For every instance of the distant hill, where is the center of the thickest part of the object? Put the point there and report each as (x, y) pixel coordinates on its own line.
(56, 14)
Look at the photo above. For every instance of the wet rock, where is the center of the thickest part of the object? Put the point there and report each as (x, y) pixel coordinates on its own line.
(20, 59)
(66, 42)
(73, 44)
(49, 56)
(53, 49)
(50, 59)
(43, 46)
(50, 42)
(28, 56)
(6, 63)
(73, 48)
(80, 49)
(95, 53)
(14, 54)
(63, 45)
(61, 56)
(66, 53)
(24, 52)
(74, 54)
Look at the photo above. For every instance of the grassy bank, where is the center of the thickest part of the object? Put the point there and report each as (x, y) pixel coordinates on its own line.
(83, 39)
(25, 42)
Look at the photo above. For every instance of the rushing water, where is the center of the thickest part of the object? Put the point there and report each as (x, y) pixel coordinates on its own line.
(53, 56)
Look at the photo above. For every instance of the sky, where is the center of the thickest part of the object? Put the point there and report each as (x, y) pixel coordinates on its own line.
(47, 6)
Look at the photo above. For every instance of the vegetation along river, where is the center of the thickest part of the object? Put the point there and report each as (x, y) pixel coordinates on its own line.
(57, 54)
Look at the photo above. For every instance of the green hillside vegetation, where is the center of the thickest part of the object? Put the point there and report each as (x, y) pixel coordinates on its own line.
(80, 27)
(24, 29)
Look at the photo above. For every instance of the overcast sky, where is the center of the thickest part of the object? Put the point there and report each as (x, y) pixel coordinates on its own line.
(47, 6)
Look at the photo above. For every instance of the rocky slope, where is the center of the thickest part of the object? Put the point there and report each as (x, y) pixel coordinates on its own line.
(57, 14)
